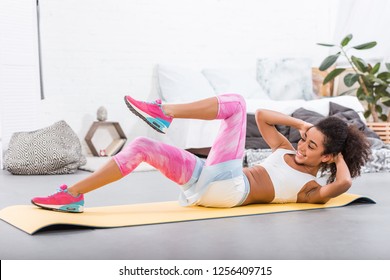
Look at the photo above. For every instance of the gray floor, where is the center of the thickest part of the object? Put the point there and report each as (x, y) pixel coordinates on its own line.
(355, 232)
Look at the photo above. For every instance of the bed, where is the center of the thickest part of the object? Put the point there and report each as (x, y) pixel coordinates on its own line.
(286, 85)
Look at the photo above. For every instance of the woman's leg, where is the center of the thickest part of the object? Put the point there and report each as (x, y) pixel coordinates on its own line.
(230, 141)
(176, 164)
(228, 147)
(108, 173)
(231, 109)
(205, 109)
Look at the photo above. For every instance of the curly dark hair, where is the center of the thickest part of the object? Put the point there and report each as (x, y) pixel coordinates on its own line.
(347, 139)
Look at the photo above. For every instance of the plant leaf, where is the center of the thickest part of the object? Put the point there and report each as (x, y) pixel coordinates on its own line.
(346, 40)
(370, 99)
(367, 114)
(360, 64)
(368, 85)
(329, 61)
(360, 94)
(350, 79)
(369, 67)
(385, 99)
(365, 46)
(378, 108)
(332, 75)
(384, 76)
(383, 117)
(387, 66)
(326, 45)
(375, 69)
(381, 91)
(386, 102)
(380, 82)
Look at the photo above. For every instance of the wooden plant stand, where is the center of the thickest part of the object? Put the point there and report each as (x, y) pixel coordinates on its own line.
(382, 129)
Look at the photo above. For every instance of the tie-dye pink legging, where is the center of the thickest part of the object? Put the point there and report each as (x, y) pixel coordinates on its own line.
(178, 164)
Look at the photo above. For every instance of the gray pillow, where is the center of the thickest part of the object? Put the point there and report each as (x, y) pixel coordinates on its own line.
(254, 140)
(351, 117)
(307, 116)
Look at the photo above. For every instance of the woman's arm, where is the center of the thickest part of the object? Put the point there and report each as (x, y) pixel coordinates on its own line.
(266, 121)
(342, 182)
(312, 192)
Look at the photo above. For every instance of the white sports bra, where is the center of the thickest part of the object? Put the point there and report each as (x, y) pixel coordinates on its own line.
(286, 180)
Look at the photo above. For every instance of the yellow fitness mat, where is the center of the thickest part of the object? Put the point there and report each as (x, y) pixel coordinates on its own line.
(31, 219)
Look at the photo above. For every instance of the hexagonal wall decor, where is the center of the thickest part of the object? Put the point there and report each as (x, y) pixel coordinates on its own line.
(114, 147)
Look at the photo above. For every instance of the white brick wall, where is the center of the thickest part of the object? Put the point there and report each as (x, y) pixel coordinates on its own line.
(95, 51)
(19, 69)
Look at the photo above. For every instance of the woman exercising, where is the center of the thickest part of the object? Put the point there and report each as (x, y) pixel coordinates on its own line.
(287, 175)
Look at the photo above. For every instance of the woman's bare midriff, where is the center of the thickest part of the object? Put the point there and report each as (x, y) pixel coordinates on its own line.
(261, 187)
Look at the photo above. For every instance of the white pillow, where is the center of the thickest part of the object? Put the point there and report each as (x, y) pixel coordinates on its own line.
(177, 84)
(241, 81)
(286, 78)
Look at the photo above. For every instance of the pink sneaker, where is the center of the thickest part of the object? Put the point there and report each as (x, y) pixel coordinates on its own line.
(61, 201)
(150, 112)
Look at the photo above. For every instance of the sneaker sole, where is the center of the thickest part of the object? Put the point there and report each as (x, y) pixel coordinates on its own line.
(152, 122)
(70, 208)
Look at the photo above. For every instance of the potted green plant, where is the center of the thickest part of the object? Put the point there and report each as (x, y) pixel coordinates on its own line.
(373, 86)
